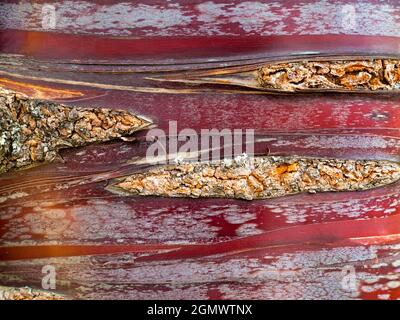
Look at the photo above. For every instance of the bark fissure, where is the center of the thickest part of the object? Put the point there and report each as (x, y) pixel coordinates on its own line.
(33, 131)
(260, 178)
(373, 75)
(27, 293)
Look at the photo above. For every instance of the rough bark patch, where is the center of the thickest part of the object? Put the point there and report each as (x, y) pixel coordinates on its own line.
(259, 178)
(33, 131)
(377, 74)
(26, 293)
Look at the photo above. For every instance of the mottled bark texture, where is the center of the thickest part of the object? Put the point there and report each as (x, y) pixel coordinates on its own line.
(26, 293)
(260, 178)
(371, 75)
(33, 131)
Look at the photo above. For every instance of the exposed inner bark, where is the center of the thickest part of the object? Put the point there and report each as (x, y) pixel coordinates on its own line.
(261, 178)
(33, 131)
(377, 74)
(26, 293)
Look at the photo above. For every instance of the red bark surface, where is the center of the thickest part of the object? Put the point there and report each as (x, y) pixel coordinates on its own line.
(109, 246)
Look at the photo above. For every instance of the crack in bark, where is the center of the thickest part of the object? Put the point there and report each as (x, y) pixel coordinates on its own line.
(260, 178)
(33, 131)
(373, 75)
(27, 293)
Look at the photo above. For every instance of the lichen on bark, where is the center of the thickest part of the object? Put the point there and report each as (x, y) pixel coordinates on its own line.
(366, 75)
(260, 178)
(33, 131)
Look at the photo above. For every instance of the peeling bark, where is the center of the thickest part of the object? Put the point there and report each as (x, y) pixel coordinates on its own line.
(337, 75)
(33, 131)
(26, 293)
(263, 177)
